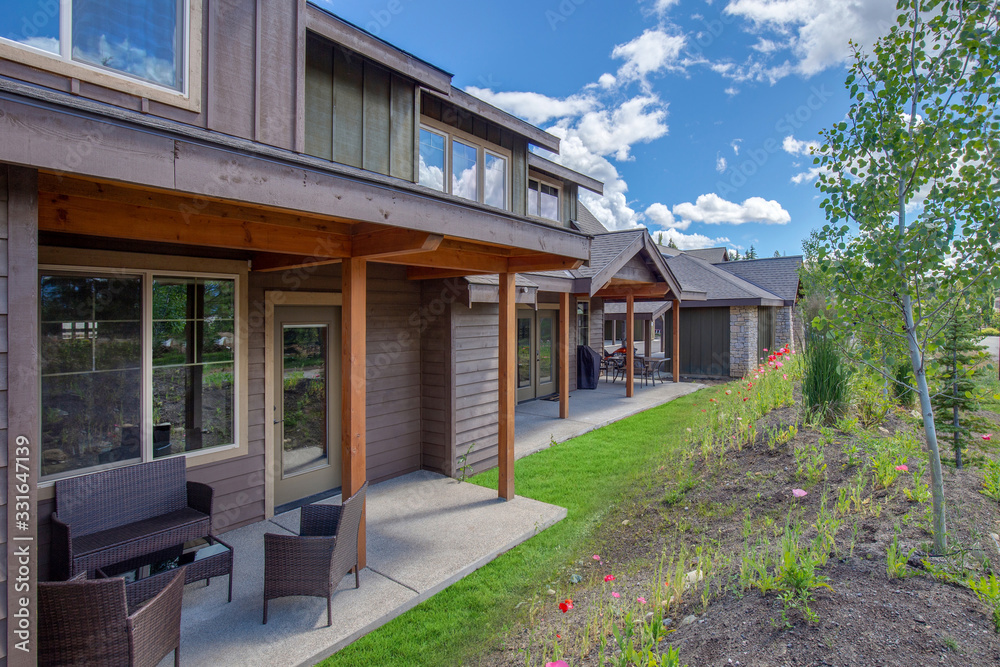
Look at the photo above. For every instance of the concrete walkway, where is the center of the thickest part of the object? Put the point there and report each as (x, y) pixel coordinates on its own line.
(538, 424)
(425, 532)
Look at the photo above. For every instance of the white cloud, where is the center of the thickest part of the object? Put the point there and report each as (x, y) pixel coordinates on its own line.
(661, 217)
(652, 51)
(736, 143)
(799, 147)
(731, 91)
(712, 209)
(816, 32)
(607, 81)
(720, 164)
(692, 241)
(535, 107)
(613, 132)
(807, 176)
(662, 6)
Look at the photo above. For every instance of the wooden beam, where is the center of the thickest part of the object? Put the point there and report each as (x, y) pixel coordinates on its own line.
(272, 262)
(393, 243)
(526, 263)
(640, 291)
(450, 258)
(629, 346)
(564, 355)
(677, 339)
(353, 384)
(424, 273)
(507, 385)
(92, 217)
(159, 199)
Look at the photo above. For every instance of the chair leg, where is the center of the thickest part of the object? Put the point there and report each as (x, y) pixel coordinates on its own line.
(177, 656)
(329, 611)
(265, 611)
(357, 576)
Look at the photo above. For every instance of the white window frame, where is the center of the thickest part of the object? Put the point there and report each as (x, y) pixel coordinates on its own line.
(188, 97)
(451, 134)
(146, 411)
(584, 302)
(537, 212)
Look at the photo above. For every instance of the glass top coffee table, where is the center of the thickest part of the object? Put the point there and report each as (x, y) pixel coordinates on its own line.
(204, 558)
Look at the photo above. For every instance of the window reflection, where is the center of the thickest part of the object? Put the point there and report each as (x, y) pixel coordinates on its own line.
(464, 175)
(34, 24)
(495, 186)
(432, 159)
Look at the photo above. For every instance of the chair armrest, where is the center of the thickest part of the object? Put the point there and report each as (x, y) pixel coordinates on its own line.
(200, 497)
(319, 520)
(155, 628)
(60, 550)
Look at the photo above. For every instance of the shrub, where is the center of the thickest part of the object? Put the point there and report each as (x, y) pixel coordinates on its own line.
(903, 380)
(871, 400)
(825, 382)
(989, 331)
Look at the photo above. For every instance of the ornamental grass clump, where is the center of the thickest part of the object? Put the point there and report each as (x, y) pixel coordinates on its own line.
(824, 384)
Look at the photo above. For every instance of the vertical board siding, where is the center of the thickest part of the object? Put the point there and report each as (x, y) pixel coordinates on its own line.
(519, 174)
(319, 99)
(376, 104)
(357, 113)
(597, 325)
(705, 336)
(348, 112)
(476, 343)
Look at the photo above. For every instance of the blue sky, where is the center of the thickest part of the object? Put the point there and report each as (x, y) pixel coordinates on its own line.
(697, 115)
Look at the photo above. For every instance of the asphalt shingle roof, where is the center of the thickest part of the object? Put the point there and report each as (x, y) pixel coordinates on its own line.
(778, 275)
(587, 222)
(698, 275)
(606, 248)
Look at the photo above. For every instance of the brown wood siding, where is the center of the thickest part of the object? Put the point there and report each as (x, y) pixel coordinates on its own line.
(476, 334)
(356, 112)
(276, 73)
(437, 360)
(597, 325)
(704, 341)
(230, 62)
(519, 175)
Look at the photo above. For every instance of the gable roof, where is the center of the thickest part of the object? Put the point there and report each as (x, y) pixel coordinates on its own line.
(778, 275)
(711, 255)
(587, 222)
(719, 285)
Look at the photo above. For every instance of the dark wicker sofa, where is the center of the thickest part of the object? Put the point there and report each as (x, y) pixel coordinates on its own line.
(116, 515)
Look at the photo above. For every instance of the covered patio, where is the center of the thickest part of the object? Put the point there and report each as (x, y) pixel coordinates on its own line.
(425, 532)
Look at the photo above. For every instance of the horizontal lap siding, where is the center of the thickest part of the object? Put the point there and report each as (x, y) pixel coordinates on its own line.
(437, 390)
(476, 345)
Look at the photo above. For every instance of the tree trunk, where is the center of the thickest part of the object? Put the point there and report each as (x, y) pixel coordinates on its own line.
(937, 479)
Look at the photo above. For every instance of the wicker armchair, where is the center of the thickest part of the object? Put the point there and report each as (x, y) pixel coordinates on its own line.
(85, 622)
(313, 562)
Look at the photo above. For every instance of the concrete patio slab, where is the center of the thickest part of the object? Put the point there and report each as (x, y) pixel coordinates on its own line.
(537, 422)
(425, 532)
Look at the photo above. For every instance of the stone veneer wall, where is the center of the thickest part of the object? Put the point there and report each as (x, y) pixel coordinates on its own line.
(742, 340)
(784, 333)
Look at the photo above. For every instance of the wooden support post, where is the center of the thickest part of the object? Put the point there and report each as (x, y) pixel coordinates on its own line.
(564, 355)
(353, 370)
(647, 338)
(507, 385)
(677, 340)
(629, 345)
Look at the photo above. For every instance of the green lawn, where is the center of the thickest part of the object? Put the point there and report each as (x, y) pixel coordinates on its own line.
(586, 475)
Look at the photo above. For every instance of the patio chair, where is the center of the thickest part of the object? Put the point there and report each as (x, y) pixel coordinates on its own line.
(83, 622)
(313, 562)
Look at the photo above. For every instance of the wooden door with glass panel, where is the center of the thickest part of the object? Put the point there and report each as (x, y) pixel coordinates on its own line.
(306, 422)
(537, 362)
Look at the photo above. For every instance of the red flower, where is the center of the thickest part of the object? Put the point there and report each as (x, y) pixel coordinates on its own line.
(565, 606)
(609, 577)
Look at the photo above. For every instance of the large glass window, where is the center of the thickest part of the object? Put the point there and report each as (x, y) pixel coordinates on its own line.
(432, 168)
(143, 39)
(96, 379)
(464, 170)
(543, 200)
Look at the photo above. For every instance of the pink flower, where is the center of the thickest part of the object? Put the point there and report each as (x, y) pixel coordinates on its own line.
(784, 376)
(565, 606)
(987, 436)
(642, 600)
(765, 349)
(596, 557)
(903, 468)
(609, 577)
(779, 365)
(557, 663)
(615, 594)
(799, 493)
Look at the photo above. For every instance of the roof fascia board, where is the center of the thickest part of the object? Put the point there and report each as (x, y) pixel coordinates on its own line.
(661, 264)
(351, 37)
(551, 168)
(718, 303)
(491, 294)
(474, 105)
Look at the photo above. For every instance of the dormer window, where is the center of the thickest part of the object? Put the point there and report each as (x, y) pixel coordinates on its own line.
(460, 165)
(141, 40)
(543, 200)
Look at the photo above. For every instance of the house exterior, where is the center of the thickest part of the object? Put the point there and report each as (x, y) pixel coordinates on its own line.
(249, 247)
